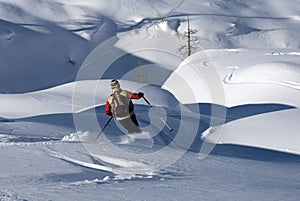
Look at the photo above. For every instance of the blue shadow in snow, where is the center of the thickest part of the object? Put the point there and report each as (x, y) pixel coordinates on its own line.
(232, 114)
(174, 118)
(239, 151)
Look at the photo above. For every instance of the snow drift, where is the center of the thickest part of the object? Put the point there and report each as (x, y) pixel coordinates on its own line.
(276, 131)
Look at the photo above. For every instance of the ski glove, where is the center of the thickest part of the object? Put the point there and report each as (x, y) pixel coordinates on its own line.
(141, 94)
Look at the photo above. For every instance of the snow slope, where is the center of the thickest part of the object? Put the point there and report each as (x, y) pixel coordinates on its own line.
(242, 77)
(235, 100)
(71, 30)
(61, 99)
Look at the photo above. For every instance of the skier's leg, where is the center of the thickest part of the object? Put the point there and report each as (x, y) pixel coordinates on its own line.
(124, 123)
(131, 125)
(135, 124)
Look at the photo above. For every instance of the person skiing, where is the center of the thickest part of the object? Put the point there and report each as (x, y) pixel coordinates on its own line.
(120, 106)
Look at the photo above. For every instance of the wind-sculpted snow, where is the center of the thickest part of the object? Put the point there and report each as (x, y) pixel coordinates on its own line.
(40, 55)
(246, 77)
(239, 89)
(70, 30)
(59, 99)
(276, 131)
(270, 78)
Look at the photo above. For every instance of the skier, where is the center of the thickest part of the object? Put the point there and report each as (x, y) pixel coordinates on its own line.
(120, 106)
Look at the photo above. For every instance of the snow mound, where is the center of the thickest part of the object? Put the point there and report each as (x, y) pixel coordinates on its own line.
(234, 77)
(275, 131)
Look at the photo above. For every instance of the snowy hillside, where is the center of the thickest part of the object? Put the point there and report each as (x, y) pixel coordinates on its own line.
(233, 104)
(46, 47)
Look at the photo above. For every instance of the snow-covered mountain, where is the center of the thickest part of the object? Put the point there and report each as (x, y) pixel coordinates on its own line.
(233, 103)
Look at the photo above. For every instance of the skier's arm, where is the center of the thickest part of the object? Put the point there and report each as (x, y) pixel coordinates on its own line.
(108, 109)
(135, 95)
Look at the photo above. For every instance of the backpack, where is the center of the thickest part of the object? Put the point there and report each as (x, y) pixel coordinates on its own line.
(120, 104)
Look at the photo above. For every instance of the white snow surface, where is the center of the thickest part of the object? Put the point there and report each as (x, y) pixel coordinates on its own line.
(60, 99)
(245, 61)
(238, 77)
(276, 131)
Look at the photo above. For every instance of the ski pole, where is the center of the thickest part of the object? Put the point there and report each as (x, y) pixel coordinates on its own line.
(159, 115)
(104, 127)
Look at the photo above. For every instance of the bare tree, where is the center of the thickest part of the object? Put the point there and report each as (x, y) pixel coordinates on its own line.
(190, 42)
